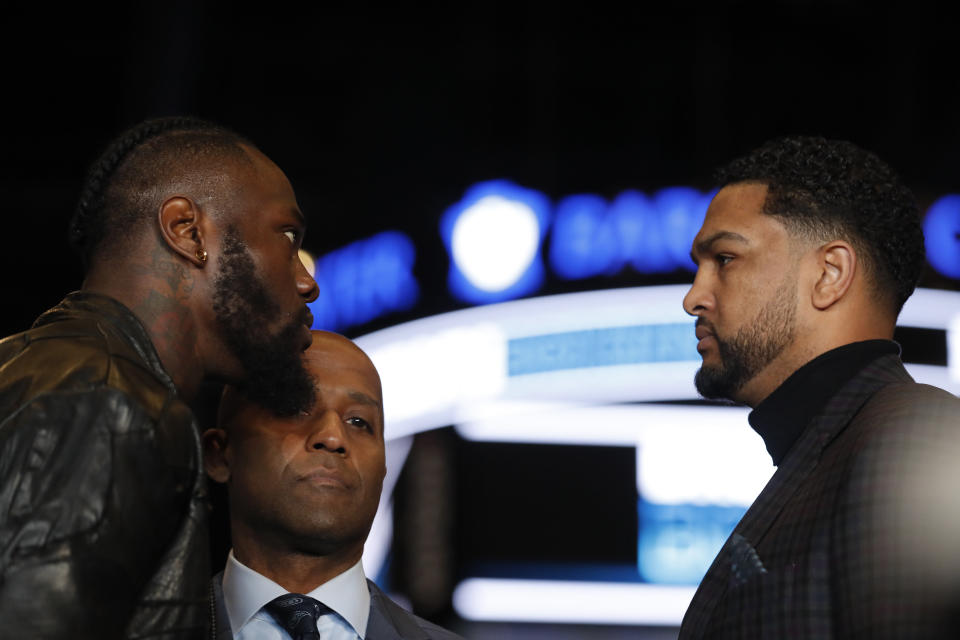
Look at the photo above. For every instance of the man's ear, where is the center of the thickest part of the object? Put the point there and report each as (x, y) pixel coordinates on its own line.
(215, 455)
(837, 265)
(180, 227)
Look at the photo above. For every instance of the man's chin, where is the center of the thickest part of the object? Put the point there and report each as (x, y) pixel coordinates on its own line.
(714, 383)
(308, 338)
(276, 378)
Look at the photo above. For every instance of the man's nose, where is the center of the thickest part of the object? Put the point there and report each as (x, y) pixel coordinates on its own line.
(306, 285)
(327, 433)
(699, 298)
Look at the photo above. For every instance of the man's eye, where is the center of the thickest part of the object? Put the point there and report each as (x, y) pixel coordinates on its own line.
(723, 260)
(360, 422)
(292, 235)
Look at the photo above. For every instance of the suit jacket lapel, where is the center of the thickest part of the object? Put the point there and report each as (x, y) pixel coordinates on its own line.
(220, 629)
(803, 457)
(389, 621)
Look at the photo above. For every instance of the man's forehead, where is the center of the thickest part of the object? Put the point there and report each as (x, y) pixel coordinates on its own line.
(252, 167)
(260, 192)
(742, 198)
(736, 213)
(331, 351)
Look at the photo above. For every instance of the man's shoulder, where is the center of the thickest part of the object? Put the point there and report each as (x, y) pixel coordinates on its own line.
(76, 353)
(80, 330)
(390, 620)
(883, 399)
(904, 430)
(913, 407)
(914, 396)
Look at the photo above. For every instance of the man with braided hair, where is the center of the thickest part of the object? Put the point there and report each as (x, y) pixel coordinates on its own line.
(189, 237)
(807, 254)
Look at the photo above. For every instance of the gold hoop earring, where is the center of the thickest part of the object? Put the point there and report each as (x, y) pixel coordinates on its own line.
(202, 256)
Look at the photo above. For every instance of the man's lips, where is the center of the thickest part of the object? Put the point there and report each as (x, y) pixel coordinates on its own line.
(326, 477)
(705, 336)
(307, 322)
(703, 332)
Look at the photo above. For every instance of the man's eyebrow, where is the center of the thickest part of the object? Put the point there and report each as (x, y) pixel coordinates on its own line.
(359, 396)
(299, 216)
(704, 245)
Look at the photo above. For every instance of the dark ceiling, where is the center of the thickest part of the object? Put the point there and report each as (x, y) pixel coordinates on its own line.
(381, 118)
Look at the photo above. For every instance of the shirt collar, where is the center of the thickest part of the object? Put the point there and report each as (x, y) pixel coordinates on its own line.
(245, 592)
(783, 415)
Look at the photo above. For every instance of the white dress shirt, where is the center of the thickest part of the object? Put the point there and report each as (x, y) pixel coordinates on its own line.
(245, 592)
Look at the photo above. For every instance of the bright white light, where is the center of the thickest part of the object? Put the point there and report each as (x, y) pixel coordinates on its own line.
(571, 602)
(930, 308)
(936, 375)
(309, 263)
(427, 377)
(618, 425)
(494, 240)
(953, 349)
(603, 385)
(713, 458)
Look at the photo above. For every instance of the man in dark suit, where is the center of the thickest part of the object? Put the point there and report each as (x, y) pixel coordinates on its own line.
(303, 492)
(805, 258)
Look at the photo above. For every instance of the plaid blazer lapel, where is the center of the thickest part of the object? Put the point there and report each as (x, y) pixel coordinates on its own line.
(737, 559)
(802, 459)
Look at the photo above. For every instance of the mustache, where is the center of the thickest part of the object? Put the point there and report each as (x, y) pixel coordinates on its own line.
(302, 317)
(305, 316)
(706, 324)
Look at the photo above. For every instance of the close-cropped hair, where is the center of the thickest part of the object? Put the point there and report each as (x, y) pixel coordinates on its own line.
(833, 190)
(121, 187)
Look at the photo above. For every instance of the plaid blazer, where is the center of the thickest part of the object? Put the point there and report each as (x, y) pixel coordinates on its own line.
(857, 534)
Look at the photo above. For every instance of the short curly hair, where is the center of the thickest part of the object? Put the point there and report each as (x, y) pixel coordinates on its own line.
(832, 189)
(121, 187)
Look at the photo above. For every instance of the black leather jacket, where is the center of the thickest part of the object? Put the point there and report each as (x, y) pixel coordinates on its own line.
(103, 513)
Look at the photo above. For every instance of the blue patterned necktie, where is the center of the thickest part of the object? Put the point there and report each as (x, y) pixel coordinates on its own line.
(297, 614)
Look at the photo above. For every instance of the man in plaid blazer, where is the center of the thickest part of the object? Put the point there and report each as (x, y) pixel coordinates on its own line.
(805, 258)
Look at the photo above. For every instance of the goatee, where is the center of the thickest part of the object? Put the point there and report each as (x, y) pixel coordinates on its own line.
(755, 345)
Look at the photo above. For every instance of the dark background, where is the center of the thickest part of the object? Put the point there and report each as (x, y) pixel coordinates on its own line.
(382, 117)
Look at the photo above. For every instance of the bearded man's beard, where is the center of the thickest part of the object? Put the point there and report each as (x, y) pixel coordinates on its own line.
(274, 374)
(755, 345)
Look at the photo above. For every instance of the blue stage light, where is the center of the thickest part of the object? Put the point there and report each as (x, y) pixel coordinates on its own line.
(365, 280)
(680, 213)
(677, 542)
(635, 219)
(583, 243)
(941, 230)
(493, 237)
(601, 348)
(591, 238)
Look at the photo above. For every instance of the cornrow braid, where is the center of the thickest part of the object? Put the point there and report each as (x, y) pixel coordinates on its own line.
(96, 207)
